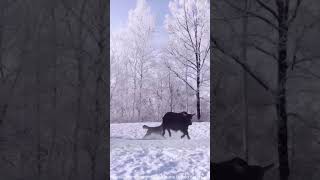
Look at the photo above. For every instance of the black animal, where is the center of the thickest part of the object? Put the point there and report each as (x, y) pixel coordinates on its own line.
(177, 121)
(238, 169)
(152, 130)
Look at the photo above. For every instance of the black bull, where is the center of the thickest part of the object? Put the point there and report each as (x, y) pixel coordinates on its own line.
(238, 169)
(177, 121)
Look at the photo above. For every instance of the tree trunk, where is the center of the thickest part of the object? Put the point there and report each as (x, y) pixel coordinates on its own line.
(77, 119)
(281, 105)
(187, 94)
(245, 136)
(51, 172)
(140, 93)
(24, 59)
(93, 167)
(282, 124)
(80, 83)
(171, 95)
(37, 107)
(3, 106)
(100, 92)
(134, 91)
(198, 95)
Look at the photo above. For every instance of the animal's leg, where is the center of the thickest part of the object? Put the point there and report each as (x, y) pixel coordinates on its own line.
(185, 132)
(188, 135)
(169, 132)
(163, 131)
(147, 134)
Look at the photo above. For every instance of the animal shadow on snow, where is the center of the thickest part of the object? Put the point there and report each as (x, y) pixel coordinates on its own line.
(144, 138)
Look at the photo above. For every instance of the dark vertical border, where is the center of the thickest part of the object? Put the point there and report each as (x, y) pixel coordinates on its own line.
(107, 130)
(212, 102)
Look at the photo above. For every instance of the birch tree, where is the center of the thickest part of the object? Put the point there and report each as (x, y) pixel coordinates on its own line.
(245, 97)
(8, 74)
(278, 17)
(141, 25)
(188, 27)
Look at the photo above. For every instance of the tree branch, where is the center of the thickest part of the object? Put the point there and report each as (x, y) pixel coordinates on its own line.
(180, 77)
(306, 59)
(264, 51)
(296, 10)
(309, 72)
(86, 25)
(243, 65)
(298, 116)
(269, 9)
(264, 19)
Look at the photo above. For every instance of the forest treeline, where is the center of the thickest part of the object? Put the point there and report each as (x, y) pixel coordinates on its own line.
(266, 84)
(53, 76)
(148, 79)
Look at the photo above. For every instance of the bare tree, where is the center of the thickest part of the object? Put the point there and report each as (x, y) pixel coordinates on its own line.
(6, 73)
(280, 18)
(80, 81)
(188, 26)
(53, 59)
(152, 86)
(245, 97)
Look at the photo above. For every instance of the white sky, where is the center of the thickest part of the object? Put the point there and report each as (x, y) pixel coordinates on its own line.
(119, 15)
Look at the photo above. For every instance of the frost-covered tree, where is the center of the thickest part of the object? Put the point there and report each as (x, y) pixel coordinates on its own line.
(133, 55)
(121, 77)
(188, 25)
(141, 24)
(142, 86)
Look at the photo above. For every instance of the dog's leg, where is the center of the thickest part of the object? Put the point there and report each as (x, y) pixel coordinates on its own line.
(163, 131)
(147, 134)
(169, 132)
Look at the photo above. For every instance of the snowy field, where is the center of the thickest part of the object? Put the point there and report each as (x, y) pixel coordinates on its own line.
(165, 158)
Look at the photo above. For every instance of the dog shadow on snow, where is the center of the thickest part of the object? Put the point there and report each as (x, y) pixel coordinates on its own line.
(143, 138)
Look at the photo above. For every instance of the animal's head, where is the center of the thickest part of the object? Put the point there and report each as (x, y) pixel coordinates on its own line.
(188, 117)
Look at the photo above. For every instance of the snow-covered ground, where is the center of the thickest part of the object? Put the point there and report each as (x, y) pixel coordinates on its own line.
(166, 158)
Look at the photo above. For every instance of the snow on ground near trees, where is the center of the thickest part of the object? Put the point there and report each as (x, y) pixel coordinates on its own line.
(168, 158)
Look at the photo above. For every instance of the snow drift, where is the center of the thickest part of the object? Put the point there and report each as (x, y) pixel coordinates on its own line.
(132, 157)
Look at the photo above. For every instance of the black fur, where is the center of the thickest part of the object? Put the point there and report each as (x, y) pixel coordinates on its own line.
(238, 169)
(177, 121)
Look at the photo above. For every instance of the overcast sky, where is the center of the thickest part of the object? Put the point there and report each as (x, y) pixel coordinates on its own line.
(119, 10)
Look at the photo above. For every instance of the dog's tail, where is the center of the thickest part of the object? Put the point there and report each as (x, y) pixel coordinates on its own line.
(145, 127)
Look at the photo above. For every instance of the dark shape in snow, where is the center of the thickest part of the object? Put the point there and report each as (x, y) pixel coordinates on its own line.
(177, 121)
(238, 169)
